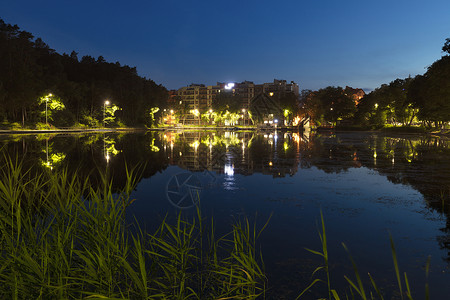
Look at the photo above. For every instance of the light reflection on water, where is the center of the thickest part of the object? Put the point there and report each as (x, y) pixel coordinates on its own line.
(355, 184)
(367, 186)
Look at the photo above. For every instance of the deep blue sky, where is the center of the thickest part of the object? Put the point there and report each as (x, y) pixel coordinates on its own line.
(316, 43)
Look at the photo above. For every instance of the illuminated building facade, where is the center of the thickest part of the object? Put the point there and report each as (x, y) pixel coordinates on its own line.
(198, 98)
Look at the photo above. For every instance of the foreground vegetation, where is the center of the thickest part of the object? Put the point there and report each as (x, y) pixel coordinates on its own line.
(63, 239)
(357, 288)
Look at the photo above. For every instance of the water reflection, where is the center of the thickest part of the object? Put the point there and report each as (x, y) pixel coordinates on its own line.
(419, 161)
(257, 168)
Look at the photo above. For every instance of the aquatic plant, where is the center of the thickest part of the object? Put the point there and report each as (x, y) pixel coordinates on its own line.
(356, 288)
(61, 238)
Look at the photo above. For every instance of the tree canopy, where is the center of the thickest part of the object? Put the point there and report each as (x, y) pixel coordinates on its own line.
(30, 69)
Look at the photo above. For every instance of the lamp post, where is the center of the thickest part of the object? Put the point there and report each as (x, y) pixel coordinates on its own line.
(46, 101)
(104, 112)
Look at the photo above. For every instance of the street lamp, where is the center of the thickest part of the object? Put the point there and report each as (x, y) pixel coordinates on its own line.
(104, 112)
(46, 101)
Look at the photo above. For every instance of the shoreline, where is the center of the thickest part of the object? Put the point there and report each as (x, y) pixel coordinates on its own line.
(93, 130)
(207, 128)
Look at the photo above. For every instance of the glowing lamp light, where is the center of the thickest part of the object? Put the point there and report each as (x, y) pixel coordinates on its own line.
(106, 102)
(229, 86)
(271, 94)
(228, 170)
(276, 120)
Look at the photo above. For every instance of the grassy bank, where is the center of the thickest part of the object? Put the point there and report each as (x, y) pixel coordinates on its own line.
(64, 239)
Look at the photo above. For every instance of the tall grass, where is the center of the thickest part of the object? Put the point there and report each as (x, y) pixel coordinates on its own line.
(61, 238)
(356, 288)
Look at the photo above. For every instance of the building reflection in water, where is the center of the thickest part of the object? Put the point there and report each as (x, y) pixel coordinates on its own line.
(231, 153)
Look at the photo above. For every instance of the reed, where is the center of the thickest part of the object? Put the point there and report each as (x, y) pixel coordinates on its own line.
(61, 238)
(356, 288)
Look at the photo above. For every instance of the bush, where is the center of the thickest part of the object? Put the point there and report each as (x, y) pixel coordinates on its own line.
(15, 126)
(42, 126)
(90, 121)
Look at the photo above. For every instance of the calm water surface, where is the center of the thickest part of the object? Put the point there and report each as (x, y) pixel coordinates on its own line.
(367, 185)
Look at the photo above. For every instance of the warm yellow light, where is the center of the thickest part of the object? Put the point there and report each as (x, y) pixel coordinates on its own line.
(171, 111)
(50, 95)
(107, 102)
(195, 144)
(271, 94)
(270, 163)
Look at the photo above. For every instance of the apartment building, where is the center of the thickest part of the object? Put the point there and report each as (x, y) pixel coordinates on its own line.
(198, 98)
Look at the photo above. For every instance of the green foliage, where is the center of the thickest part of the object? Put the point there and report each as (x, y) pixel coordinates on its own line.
(110, 111)
(89, 121)
(330, 104)
(152, 112)
(30, 69)
(64, 239)
(227, 101)
(430, 93)
(387, 104)
(42, 126)
(11, 126)
(289, 102)
(356, 286)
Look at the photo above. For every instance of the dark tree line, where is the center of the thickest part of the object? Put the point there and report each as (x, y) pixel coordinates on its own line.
(424, 100)
(30, 69)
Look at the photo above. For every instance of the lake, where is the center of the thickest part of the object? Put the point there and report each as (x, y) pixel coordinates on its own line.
(369, 186)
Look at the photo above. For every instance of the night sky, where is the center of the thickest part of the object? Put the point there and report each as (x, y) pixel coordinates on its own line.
(315, 43)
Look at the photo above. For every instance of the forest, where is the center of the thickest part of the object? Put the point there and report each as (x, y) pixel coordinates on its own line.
(38, 87)
(423, 100)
